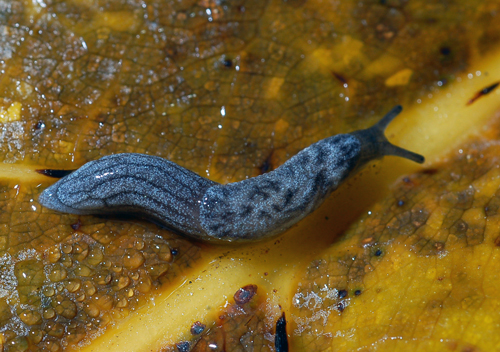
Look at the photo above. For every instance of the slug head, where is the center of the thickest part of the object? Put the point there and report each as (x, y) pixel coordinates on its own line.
(374, 144)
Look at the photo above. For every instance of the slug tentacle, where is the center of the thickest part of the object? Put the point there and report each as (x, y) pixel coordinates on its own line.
(252, 209)
(374, 144)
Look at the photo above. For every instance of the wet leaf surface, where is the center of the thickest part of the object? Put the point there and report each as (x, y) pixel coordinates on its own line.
(241, 326)
(430, 248)
(231, 90)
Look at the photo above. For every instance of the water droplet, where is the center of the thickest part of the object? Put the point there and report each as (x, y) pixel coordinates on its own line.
(65, 307)
(54, 254)
(30, 317)
(139, 244)
(66, 248)
(57, 273)
(163, 251)
(103, 277)
(105, 302)
(122, 303)
(144, 284)
(89, 288)
(134, 275)
(35, 335)
(133, 259)
(158, 270)
(120, 282)
(81, 297)
(19, 343)
(48, 291)
(81, 250)
(117, 268)
(66, 261)
(55, 329)
(73, 285)
(49, 313)
(92, 310)
(52, 346)
(83, 270)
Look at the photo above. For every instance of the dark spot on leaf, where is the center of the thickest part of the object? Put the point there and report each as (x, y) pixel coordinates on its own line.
(459, 228)
(40, 125)
(245, 294)
(339, 77)
(281, 337)
(439, 246)
(266, 165)
(54, 173)
(76, 226)
(492, 207)
(357, 292)
(228, 63)
(444, 50)
(497, 241)
(469, 349)
(401, 203)
(342, 294)
(407, 180)
(174, 251)
(429, 171)
(378, 253)
(483, 92)
(183, 346)
(197, 328)
(341, 306)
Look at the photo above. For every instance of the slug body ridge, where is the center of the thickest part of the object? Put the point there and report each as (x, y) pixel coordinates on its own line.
(251, 209)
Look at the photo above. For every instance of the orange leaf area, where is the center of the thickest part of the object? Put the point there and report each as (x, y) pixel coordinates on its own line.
(230, 90)
(419, 271)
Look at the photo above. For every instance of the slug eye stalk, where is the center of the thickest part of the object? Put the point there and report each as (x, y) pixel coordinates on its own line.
(374, 144)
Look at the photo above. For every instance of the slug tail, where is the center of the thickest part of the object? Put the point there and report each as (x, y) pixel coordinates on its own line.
(374, 143)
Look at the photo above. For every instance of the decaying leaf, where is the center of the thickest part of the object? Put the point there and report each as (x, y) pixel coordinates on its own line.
(231, 89)
(431, 249)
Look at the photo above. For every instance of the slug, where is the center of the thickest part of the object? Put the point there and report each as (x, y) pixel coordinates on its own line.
(252, 209)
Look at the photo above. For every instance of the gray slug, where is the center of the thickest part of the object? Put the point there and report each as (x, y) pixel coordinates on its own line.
(252, 209)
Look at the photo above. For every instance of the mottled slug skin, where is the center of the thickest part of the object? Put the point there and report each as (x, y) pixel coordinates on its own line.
(188, 203)
(133, 183)
(269, 204)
